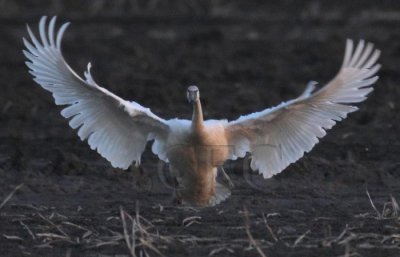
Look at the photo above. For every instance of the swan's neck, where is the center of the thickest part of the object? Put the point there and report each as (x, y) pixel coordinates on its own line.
(197, 118)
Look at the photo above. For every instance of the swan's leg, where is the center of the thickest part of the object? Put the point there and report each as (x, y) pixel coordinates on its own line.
(230, 183)
(177, 196)
(140, 178)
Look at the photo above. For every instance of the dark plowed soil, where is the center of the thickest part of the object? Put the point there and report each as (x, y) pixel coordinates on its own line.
(244, 57)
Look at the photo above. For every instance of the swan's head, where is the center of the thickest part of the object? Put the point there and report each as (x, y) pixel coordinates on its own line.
(193, 94)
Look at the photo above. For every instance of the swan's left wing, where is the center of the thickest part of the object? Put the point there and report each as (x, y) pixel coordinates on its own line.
(116, 128)
(279, 136)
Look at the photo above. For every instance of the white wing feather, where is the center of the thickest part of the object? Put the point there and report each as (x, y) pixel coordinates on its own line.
(117, 129)
(279, 136)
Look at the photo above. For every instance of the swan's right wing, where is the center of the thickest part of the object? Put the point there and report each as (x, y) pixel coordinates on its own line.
(279, 136)
(117, 129)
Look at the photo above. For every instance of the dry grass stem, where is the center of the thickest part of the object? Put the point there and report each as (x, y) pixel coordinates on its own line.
(28, 229)
(390, 210)
(218, 250)
(253, 242)
(12, 237)
(53, 225)
(130, 240)
(8, 198)
(138, 237)
(187, 222)
(373, 205)
(271, 232)
(300, 238)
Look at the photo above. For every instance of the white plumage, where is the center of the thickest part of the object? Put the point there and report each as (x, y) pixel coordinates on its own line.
(279, 136)
(117, 129)
(275, 137)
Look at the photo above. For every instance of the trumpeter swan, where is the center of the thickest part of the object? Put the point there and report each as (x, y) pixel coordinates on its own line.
(119, 130)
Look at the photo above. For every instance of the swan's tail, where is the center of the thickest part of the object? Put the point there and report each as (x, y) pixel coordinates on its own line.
(221, 193)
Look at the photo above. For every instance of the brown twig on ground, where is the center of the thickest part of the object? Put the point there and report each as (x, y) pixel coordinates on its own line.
(8, 198)
(253, 242)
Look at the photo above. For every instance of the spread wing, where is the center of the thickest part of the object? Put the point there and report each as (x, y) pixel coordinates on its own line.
(117, 129)
(279, 136)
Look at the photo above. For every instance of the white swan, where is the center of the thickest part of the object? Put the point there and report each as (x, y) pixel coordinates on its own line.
(119, 130)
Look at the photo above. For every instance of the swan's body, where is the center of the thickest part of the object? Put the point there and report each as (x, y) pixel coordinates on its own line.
(194, 157)
(119, 130)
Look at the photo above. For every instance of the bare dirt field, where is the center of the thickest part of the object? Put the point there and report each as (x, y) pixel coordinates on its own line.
(59, 198)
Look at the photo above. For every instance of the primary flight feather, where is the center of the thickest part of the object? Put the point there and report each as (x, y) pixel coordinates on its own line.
(119, 130)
